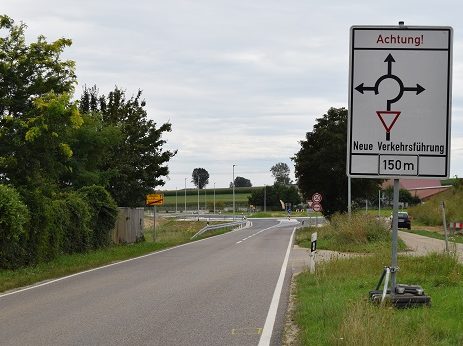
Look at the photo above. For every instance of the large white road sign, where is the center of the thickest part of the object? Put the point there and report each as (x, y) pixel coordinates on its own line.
(399, 102)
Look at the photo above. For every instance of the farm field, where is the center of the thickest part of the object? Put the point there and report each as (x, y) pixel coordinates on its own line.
(209, 197)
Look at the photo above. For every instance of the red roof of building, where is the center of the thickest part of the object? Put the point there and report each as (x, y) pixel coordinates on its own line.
(421, 188)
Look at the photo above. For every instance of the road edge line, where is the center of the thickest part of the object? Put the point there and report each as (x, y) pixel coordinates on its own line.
(267, 331)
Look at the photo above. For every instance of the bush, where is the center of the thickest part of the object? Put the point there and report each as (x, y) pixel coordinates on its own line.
(77, 236)
(14, 217)
(38, 236)
(103, 214)
(219, 206)
(58, 218)
(360, 228)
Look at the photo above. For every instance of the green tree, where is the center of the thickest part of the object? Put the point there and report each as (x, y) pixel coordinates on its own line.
(35, 111)
(138, 163)
(30, 71)
(39, 152)
(92, 145)
(280, 172)
(200, 177)
(241, 182)
(404, 196)
(320, 164)
(273, 195)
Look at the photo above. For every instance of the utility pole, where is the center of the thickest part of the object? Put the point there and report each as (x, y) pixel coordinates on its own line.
(198, 197)
(185, 195)
(233, 182)
(214, 197)
(265, 198)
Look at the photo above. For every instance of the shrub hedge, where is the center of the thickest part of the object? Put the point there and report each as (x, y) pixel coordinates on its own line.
(14, 217)
(77, 236)
(43, 228)
(103, 214)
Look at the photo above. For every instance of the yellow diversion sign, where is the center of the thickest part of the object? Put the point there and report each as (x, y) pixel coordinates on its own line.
(154, 199)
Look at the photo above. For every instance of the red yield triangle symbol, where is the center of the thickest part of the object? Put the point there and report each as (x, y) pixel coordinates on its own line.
(388, 118)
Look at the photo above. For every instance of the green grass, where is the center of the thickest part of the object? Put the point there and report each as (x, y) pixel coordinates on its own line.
(332, 306)
(210, 191)
(169, 233)
(191, 199)
(361, 233)
(429, 213)
(384, 212)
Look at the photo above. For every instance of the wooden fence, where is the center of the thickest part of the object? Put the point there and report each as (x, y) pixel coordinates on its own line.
(129, 225)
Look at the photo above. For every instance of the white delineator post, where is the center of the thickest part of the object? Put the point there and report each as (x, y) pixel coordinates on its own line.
(313, 250)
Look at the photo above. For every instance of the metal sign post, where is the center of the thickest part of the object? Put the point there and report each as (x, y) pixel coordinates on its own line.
(399, 118)
(395, 227)
(154, 224)
(444, 222)
(153, 200)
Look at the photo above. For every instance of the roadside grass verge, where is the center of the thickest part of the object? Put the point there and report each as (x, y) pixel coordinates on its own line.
(169, 233)
(333, 308)
(457, 238)
(362, 233)
(282, 213)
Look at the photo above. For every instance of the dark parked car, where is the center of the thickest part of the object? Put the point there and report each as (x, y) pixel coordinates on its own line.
(404, 220)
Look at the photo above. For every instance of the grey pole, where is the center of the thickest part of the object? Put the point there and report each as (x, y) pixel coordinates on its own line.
(349, 196)
(379, 203)
(265, 198)
(176, 199)
(185, 195)
(154, 223)
(198, 197)
(395, 226)
(214, 197)
(233, 182)
(444, 221)
(205, 200)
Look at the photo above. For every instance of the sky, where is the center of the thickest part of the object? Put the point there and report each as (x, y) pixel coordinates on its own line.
(241, 81)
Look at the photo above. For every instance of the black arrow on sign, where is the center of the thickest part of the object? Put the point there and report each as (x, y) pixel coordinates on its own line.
(419, 89)
(389, 60)
(362, 88)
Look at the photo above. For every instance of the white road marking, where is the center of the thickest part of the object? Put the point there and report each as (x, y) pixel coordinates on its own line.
(252, 235)
(272, 311)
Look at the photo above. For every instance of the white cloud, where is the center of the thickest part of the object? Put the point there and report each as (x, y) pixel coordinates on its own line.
(240, 81)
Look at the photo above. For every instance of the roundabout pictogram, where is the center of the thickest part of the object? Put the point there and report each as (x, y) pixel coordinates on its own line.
(388, 117)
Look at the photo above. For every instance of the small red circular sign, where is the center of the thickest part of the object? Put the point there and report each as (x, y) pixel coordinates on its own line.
(317, 198)
(317, 207)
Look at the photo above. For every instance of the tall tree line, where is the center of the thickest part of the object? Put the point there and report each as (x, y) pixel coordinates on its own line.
(66, 164)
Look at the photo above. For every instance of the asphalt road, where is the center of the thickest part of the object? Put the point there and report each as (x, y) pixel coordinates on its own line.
(218, 291)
